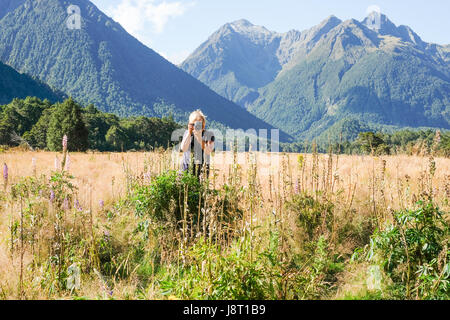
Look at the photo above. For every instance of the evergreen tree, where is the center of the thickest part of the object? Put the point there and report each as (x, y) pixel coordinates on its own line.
(116, 137)
(37, 137)
(67, 120)
(98, 123)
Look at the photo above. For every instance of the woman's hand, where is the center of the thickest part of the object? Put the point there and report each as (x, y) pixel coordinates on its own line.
(190, 128)
(208, 147)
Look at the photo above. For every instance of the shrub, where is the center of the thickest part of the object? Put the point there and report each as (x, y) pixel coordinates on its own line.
(314, 217)
(413, 250)
(163, 199)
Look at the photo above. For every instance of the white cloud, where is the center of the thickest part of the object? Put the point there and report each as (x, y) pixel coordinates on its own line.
(133, 15)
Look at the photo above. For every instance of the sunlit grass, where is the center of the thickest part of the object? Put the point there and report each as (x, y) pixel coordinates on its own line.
(99, 224)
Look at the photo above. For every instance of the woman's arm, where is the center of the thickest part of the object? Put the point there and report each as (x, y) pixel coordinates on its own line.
(186, 143)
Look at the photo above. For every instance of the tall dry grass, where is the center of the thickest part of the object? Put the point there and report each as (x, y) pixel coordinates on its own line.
(359, 187)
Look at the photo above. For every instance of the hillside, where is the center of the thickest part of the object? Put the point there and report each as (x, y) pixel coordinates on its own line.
(104, 65)
(338, 69)
(16, 85)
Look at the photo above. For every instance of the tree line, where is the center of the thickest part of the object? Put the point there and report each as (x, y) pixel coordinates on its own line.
(410, 142)
(39, 124)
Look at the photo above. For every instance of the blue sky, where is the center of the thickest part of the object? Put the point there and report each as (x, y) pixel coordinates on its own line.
(175, 28)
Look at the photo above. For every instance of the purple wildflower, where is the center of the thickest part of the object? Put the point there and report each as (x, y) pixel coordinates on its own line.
(78, 206)
(107, 235)
(102, 204)
(5, 172)
(147, 177)
(52, 196)
(66, 204)
(296, 187)
(179, 176)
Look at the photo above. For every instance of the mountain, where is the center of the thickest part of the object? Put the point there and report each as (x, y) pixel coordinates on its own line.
(237, 60)
(311, 81)
(104, 65)
(16, 85)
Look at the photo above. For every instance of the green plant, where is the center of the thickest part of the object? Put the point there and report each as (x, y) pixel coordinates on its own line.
(163, 198)
(313, 216)
(413, 251)
(214, 274)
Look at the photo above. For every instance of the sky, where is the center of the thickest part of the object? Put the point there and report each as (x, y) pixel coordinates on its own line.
(175, 28)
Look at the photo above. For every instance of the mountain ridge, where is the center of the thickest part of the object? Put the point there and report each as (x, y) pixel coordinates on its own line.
(339, 69)
(16, 85)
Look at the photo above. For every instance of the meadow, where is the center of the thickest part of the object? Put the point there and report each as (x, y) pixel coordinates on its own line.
(264, 226)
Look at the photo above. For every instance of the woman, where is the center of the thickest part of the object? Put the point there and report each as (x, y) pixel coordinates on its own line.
(197, 145)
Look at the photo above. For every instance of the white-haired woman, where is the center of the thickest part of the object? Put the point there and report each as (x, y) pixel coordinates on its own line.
(197, 145)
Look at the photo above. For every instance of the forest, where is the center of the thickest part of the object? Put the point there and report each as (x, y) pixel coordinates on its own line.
(38, 124)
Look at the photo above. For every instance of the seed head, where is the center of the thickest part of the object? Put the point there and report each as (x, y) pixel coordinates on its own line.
(67, 162)
(57, 164)
(64, 143)
(33, 165)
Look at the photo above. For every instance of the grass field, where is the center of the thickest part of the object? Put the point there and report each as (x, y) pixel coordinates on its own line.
(277, 226)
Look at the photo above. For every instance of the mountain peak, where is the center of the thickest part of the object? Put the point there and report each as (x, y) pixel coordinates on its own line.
(380, 23)
(331, 19)
(386, 27)
(247, 29)
(315, 33)
(242, 23)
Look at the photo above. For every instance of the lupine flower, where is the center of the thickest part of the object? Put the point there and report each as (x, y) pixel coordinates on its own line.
(64, 143)
(102, 204)
(78, 206)
(66, 204)
(296, 187)
(147, 177)
(5, 172)
(106, 235)
(52, 196)
(179, 176)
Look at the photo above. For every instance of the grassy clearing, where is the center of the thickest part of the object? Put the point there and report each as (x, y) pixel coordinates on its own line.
(310, 226)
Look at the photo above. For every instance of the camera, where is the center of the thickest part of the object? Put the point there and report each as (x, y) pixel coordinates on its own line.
(198, 126)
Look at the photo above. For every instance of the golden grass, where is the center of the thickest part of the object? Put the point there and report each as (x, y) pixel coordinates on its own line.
(358, 183)
(104, 174)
